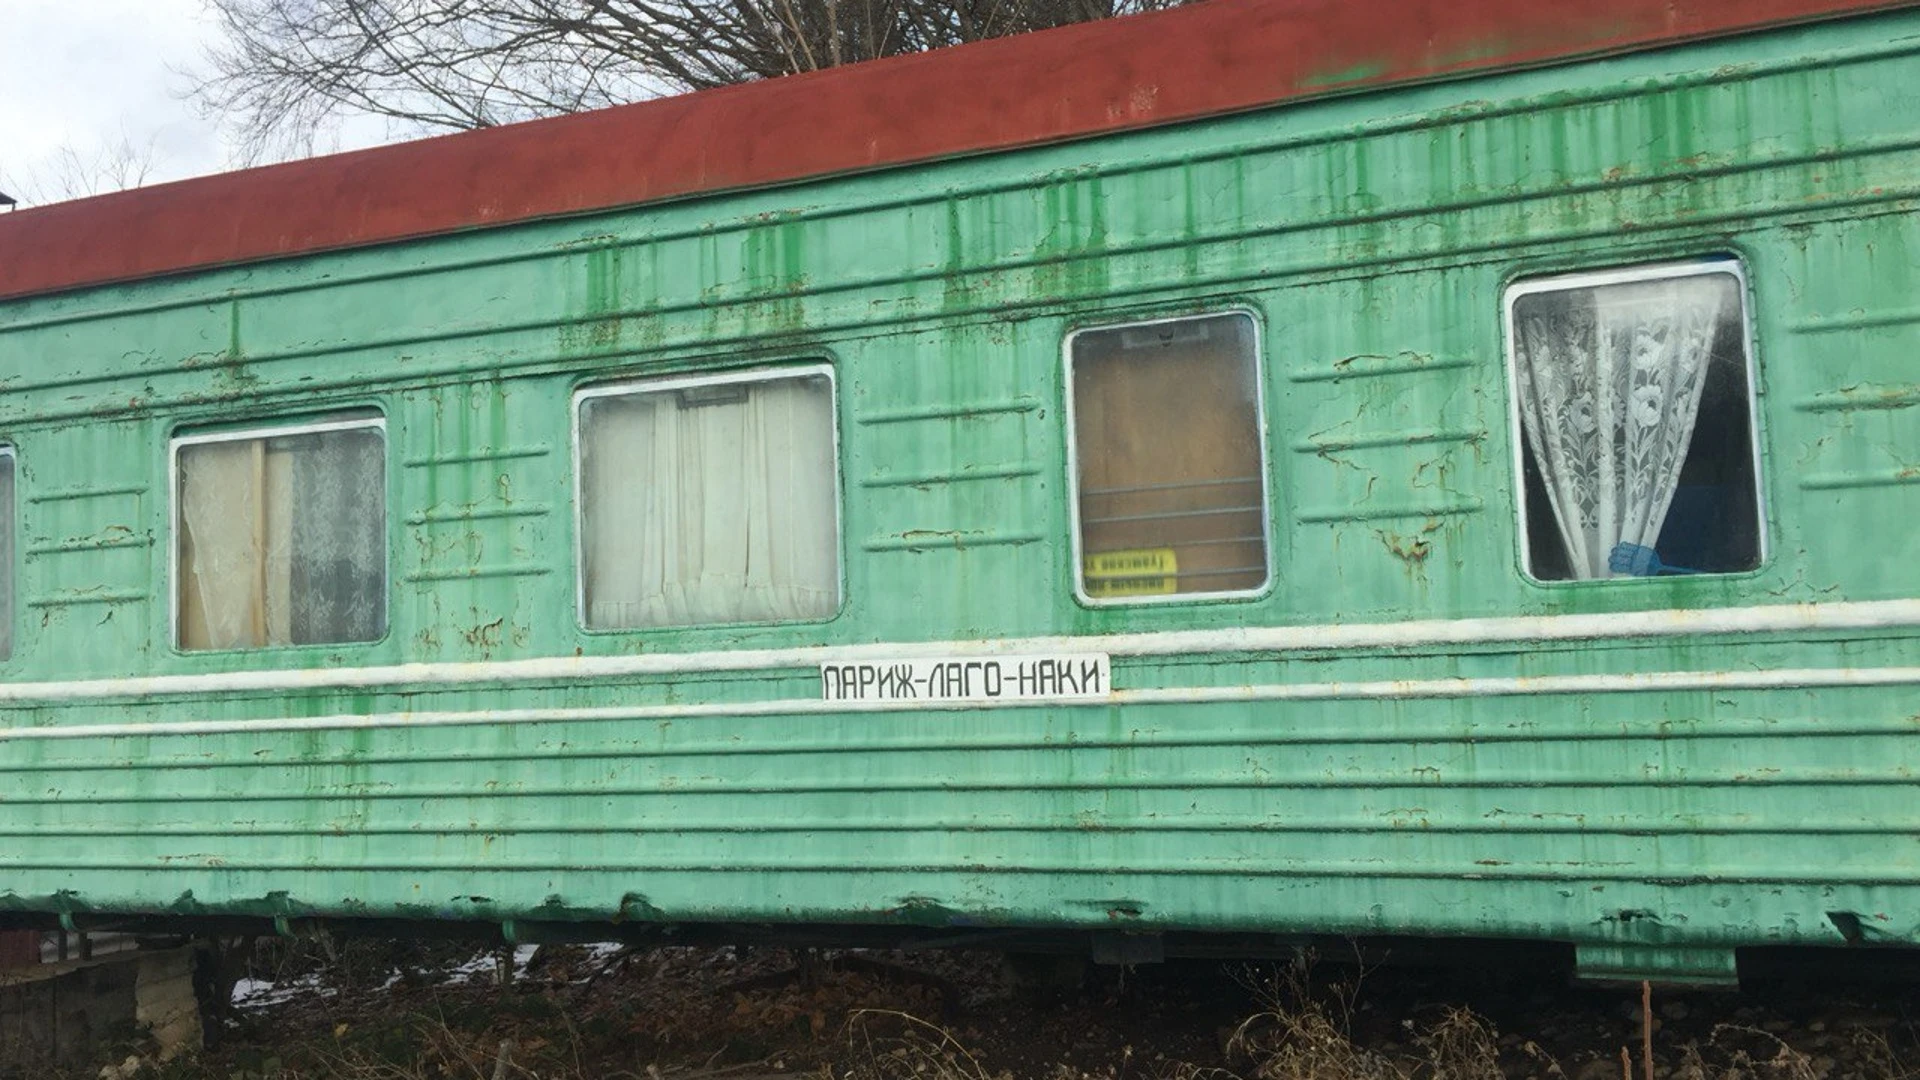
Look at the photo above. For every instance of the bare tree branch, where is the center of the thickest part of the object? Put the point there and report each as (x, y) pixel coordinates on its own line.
(75, 172)
(286, 70)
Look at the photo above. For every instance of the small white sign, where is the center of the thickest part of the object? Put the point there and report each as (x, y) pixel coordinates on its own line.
(987, 679)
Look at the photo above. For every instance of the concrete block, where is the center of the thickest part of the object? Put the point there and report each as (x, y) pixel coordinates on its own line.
(71, 1013)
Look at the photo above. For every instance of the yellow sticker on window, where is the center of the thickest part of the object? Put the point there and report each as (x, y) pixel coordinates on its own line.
(1142, 572)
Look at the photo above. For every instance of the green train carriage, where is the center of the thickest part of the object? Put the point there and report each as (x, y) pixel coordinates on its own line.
(1236, 488)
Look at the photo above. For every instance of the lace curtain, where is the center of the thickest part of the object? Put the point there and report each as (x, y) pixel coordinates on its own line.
(711, 504)
(338, 577)
(1609, 382)
(283, 541)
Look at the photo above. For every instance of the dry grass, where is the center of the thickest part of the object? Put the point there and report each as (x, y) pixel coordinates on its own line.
(884, 1044)
(710, 1015)
(1294, 1039)
(1739, 1052)
(1304, 1031)
(429, 1049)
(1874, 1052)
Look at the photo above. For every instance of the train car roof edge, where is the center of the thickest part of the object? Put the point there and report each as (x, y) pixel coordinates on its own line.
(1207, 59)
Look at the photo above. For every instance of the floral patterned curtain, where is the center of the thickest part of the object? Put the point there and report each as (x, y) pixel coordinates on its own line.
(1609, 381)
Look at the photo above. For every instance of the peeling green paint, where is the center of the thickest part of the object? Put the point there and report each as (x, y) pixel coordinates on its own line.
(1371, 236)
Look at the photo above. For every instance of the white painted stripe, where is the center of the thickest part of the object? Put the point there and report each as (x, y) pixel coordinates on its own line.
(1874, 615)
(1395, 689)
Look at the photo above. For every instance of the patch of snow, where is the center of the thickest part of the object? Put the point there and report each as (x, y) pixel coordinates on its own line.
(601, 950)
(481, 967)
(260, 993)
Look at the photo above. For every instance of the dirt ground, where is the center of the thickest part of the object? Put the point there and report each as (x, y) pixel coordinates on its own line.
(375, 1010)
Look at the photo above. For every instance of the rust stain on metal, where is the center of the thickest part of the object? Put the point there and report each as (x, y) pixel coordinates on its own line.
(1413, 549)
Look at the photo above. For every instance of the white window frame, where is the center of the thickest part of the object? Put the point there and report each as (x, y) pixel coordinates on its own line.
(1266, 469)
(1519, 288)
(181, 442)
(663, 384)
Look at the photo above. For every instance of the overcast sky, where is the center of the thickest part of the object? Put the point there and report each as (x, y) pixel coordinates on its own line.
(82, 75)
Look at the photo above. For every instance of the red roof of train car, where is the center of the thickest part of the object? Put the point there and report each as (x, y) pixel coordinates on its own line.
(1207, 59)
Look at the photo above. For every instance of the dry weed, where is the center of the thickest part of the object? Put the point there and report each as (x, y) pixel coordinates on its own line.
(885, 1044)
(1304, 1032)
(1879, 1060)
(1461, 1046)
(1302, 1042)
(1739, 1052)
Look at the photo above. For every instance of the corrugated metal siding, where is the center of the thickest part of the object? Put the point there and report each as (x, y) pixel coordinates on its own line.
(1371, 237)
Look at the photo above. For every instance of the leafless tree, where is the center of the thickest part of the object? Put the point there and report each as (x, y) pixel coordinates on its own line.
(285, 70)
(74, 172)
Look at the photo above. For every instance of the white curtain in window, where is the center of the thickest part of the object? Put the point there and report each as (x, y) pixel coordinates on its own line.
(282, 540)
(235, 546)
(1609, 382)
(714, 504)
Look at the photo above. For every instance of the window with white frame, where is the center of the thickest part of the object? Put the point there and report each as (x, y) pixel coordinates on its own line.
(709, 500)
(1633, 396)
(1169, 459)
(280, 535)
(9, 573)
